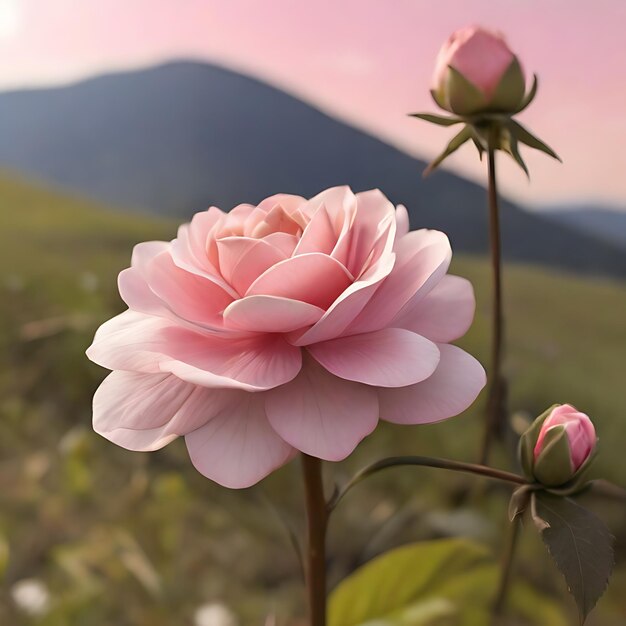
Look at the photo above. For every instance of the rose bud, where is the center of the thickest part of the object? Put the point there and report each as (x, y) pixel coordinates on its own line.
(558, 446)
(476, 72)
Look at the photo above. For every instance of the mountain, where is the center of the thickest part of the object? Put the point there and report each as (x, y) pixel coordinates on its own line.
(175, 138)
(603, 222)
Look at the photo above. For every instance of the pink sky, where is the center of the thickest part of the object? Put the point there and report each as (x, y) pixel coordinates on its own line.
(366, 61)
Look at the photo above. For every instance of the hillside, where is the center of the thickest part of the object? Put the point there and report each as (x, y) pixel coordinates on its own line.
(606, 223)
(178, 137)
(117, 534)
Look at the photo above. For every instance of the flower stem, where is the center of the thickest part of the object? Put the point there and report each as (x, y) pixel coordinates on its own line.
(496, 401)
(506, 569)
(317, 519)
(424, 461)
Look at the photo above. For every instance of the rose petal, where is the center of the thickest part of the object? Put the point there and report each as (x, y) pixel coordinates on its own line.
(392, 357)
(190, 249)
(270, 314)
(445, 314)
(243, 260)
(190, 296)
(319, 235)
(314, 278)
(363, 234)
(238, 447)
(423, 258)
(348, 306)
(146, 411)
(284, 242)
(402, 221)
(322, 415)
(135, 342)
(453, 387)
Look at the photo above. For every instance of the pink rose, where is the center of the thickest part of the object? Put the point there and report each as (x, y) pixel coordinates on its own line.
(579, 430)
(484, 60)
(291, 325)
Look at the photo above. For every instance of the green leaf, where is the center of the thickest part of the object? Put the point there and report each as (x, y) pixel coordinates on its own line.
(449, 582)
(534, 607)
(530, 96)
(455, 143)
(525, 136)
(580, 545)
(418, 581)
(440, 120)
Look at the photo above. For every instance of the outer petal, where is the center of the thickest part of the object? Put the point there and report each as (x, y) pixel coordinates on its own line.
(321, 414)
(402, 221)
(392, 357)
(445, 314)
(270, 314)
(146, 411)
(135, 342)
(453, 387)
(423, 258)
(238, 447)
(132, 282)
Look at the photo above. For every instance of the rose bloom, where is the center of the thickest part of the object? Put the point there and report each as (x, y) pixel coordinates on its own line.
(483, 58)
(289, 326)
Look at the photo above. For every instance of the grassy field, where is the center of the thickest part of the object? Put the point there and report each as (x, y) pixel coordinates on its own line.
(142, 540)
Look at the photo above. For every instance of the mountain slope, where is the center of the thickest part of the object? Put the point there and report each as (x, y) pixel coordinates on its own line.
(176, 138)
(605, 223)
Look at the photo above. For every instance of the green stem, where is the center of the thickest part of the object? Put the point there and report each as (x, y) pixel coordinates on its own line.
(317, 521)
(424, 461)
(495, 402)
(506, 569)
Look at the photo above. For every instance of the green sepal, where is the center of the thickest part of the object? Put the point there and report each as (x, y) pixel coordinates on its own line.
(509, 93)
(580, 544)
(540, 523)
(511, 146)
(440, 120)
(464, 97)
(479, 146)
(438, 100)
(579, 480)
(455, 143)
(553, 466)
(519, 501)
(530, 96)
(526, 137)
(528, 441)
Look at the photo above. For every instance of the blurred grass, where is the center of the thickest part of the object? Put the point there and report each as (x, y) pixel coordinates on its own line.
(138, 539)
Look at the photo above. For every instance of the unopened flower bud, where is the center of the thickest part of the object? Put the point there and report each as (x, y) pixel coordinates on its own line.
(558, 446)
(476, 72)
